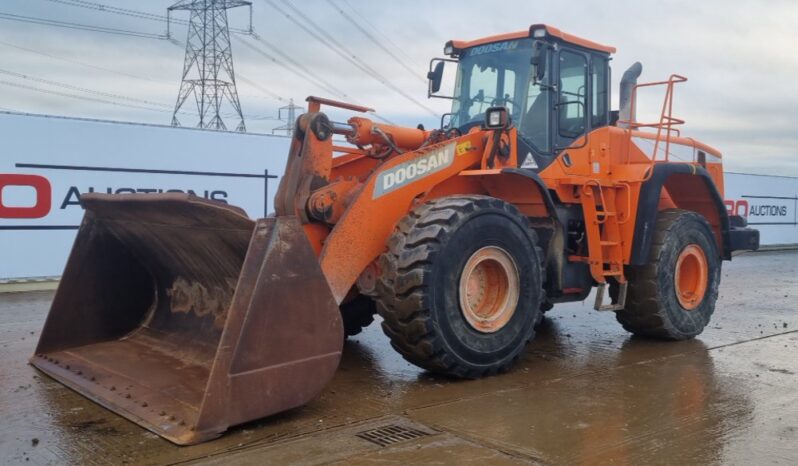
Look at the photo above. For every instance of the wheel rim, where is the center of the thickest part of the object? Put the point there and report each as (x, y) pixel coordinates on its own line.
(691, 276)
(489, 289)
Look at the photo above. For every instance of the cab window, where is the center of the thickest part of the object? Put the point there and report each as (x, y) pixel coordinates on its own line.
(487, 76)
(534, 126)
(572, 103)
(599, 77)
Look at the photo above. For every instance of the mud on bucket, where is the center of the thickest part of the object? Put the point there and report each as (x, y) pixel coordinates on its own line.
(187, 317)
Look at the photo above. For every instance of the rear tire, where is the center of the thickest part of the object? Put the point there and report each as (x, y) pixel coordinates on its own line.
(657, 304)
(475, 253)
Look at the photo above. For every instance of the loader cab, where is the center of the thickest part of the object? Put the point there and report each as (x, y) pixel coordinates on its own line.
(555, 87)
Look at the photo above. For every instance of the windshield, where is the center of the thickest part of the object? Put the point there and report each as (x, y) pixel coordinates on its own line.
(491, 75)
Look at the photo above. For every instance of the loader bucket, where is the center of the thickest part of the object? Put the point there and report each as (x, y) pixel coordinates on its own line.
(186, 317)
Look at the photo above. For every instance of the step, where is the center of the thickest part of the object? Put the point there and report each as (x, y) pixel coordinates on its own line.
(578, 258)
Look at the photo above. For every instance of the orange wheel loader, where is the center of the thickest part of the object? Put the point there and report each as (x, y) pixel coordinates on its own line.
(187, 317)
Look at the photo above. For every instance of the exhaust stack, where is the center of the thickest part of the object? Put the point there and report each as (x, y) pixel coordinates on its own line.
(628, 83)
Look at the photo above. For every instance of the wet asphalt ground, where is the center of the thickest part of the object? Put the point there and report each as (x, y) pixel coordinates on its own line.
(585, 392)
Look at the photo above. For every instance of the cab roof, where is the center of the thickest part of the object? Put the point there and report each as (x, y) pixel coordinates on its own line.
(550, 32)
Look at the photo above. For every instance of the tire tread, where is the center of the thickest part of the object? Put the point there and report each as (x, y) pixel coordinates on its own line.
(645, 313)
(403, 299)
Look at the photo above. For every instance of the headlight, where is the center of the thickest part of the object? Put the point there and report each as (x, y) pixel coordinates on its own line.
(448, 50)
(497, 118)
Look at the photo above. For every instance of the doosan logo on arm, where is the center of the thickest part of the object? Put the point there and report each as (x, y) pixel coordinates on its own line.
(404, 173)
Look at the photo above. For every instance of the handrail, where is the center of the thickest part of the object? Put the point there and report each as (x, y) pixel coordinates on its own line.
(625, 186)
(315, 103)
(604, 215)
(666, 121)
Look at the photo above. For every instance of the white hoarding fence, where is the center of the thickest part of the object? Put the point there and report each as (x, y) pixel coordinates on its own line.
(47, 196)
(769, 203)
(46, 163)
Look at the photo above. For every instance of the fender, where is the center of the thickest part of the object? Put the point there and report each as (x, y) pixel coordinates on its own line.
(518, 186)
(362, 232)
(560, 273)
(537, 182)
(649, 199)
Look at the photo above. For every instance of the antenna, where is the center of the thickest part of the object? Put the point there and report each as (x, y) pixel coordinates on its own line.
(290, 122)
(208, 67)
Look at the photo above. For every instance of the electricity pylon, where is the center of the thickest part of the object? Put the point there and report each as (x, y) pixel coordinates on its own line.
(208, 73)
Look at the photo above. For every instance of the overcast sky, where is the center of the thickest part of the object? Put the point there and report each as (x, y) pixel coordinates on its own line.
(740, 58)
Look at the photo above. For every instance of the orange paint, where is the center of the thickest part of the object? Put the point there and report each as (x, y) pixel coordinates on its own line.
(551, 31)
(363, 193)
(690, 280)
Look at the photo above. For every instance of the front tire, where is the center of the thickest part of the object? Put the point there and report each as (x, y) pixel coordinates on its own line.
(461, 286)
(673, 296)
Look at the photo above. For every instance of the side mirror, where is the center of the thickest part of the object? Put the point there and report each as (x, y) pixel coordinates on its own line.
(538, 61)
(446, 121)
(435, 76)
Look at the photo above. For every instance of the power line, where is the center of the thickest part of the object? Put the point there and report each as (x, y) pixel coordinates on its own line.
(262, 117)
(76, 62)
(331, 43)
(122, 73)
(119, 122)
(257, 86)
(306, 76)
(356, 24)
(131, 13)
(241, 77)
(271, 93)
(303, 71)
(152, 16)
(141, 104)
(80, 97)
(299, 66)
(78, 26)
(144, 104)
(384, 36)
(83, 89)
(126, 32)
(161, 18)
(111, 9)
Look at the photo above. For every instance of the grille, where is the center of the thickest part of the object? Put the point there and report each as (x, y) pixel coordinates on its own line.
(390, 435)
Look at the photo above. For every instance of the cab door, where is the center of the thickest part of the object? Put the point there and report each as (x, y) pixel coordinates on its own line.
(568, 101)
(571, 108)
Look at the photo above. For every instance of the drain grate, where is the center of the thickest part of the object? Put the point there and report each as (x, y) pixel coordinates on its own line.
(391, 434)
